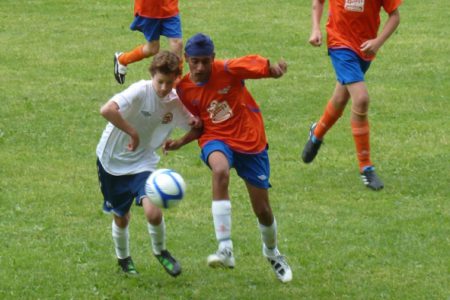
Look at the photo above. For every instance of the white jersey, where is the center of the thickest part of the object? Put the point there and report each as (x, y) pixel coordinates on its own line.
(153, 117)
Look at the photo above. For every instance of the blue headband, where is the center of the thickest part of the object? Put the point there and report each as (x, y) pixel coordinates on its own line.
(199, 45)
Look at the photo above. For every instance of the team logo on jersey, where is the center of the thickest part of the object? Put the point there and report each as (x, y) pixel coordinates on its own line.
(354, 5)
(168, 117)
(219, 111)
(224, 90)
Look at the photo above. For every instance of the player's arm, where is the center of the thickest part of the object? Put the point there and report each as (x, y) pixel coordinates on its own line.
(371, 47)
(255, 67)
(315, 38)
(191, 135)
(110, 111)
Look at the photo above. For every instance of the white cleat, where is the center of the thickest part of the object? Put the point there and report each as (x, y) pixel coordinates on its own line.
(221, 259)
(279, 265)
(119, 70)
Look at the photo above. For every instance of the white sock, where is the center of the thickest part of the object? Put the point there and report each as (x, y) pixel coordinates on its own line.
(158, 236)
(121, 241)
(269, 238)
(221, 211)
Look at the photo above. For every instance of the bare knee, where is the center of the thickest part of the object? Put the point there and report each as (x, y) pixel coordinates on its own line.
(176, 46)
(122, 222)
(151, 48)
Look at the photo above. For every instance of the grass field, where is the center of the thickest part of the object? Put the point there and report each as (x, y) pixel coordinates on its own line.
(342, 240)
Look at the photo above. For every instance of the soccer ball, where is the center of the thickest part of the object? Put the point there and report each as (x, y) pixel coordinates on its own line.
(165, 188)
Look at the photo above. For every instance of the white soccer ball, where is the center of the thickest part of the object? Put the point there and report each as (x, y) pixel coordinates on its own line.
(165, 188)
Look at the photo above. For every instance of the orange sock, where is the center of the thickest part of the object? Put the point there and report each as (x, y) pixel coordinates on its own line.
(329, 117)
(132, 56)
(361, 131)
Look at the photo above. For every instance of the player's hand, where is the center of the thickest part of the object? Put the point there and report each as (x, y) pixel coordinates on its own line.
(370, 47)
(315, 38)
(195, 122)
(134, 141)
(170, 145)
(277, 70)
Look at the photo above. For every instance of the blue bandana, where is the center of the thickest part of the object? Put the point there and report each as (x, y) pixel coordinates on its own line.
(199, 45)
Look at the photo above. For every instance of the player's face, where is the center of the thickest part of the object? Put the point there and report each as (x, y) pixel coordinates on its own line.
(163, 83)
(200, 67)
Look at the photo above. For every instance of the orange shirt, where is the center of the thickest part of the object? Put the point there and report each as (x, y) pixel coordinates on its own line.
(227, 109)
(352, 22)
(158, 9)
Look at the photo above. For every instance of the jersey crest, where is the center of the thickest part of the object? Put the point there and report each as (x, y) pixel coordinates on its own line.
(168, 117)
(219, 111)
(354, 5)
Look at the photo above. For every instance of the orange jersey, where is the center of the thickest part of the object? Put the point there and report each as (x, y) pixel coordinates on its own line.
(227, 109)
(158, 9)
(352, 22)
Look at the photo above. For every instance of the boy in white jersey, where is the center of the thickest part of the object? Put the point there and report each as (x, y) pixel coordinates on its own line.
(140, 119)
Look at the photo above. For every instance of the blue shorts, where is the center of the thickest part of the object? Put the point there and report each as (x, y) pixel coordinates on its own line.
(253, 168)
(348, 66)
(154, 28)
(119, 191)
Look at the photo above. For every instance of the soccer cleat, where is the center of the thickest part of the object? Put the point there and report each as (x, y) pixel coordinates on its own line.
(169, 263)
(280, 267)
(371, 180)
(127, 266)
(221, 259)
(311, 148)
(119, 70)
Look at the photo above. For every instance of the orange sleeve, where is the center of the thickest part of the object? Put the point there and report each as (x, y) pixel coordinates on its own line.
(248, 67)
(390, 6)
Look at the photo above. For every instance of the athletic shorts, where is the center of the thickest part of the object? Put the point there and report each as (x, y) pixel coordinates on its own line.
(253, 168)
(154, 28)
(120, 191)
(348, 66)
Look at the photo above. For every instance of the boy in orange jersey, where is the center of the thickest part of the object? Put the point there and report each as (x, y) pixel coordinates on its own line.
(153, 18)
(352, 42)
(233, 137)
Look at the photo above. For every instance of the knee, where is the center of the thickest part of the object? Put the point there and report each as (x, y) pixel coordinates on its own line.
(122, 222)
(176, 45)
(221, 175)
(150, 49)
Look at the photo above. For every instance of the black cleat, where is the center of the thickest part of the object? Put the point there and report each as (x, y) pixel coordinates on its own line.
(371, 180)
(119, 70)
(311, 148)
(127, 266)
(169, 263)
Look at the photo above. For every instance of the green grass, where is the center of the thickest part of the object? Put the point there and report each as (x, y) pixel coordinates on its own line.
(342, 240)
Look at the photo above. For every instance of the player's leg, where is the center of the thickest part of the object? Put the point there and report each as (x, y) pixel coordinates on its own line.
(344, 69)
(121, 239)
(118, 199)
(156, 227)
(255, 170)
(218, 157)
(333, 111)
(171, 28)
(259, 198)
(361, 134)
(151, 29)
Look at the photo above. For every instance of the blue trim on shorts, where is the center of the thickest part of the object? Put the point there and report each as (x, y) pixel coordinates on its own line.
(253, 168)
(153, 28)
(119, 191)
(348, 66)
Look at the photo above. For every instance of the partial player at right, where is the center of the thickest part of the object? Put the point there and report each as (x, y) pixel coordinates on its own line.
(352, 42)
